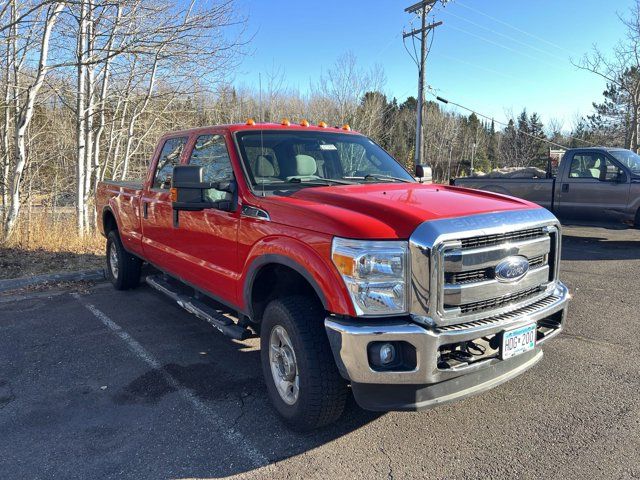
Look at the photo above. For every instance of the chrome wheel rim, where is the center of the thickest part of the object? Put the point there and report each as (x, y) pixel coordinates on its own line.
(113, 260)
(284, 368)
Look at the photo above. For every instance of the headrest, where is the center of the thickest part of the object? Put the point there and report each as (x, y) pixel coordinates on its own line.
(306, 165)
(264, 167)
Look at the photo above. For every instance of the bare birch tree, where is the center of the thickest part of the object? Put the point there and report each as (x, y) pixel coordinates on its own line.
(26, 94)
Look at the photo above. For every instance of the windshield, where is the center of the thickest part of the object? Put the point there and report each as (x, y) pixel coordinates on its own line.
(277, 160)
(628, 159)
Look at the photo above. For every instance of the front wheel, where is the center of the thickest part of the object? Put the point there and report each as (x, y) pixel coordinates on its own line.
(302, 379)
(123, 268)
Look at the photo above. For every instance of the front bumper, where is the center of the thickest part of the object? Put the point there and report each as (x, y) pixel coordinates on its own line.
(428, 383)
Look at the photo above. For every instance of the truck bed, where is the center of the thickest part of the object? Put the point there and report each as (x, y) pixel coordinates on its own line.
(537, 190)
(130, 184)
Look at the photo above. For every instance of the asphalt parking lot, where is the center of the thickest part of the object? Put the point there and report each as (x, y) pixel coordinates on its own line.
(105, 384)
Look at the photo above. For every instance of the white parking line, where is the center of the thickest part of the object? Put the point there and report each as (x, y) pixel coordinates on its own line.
(244, 446)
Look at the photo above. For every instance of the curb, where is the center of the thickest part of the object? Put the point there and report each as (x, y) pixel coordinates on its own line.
(15, 283)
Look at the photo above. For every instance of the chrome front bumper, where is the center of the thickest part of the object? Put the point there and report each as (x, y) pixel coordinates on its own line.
(349, 341)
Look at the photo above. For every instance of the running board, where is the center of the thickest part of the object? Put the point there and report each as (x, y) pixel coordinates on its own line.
(216, 318)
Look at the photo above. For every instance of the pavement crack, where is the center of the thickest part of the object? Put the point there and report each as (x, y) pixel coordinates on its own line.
(594, 341)
(242, 396)
(389, 463)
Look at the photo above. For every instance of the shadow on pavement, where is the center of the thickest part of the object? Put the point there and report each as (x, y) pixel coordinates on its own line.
(227, 380)
(598, 248)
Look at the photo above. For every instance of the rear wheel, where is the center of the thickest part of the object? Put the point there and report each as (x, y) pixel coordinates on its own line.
(302, 379)
(123, 268)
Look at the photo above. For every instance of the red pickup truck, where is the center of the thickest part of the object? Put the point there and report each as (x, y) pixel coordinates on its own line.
(352, 273)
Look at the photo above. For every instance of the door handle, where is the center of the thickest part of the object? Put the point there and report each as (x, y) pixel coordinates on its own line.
(145, 210)
(565, 187)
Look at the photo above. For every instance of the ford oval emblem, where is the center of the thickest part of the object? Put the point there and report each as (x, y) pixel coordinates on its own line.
(512, 269)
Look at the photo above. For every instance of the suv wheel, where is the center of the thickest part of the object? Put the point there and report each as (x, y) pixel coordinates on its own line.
(302, 379)
(123, 268)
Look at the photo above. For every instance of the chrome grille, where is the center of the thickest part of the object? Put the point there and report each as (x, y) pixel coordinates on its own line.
(487, 240)
(505, 317)
(453, 264)
(496, 302)
(487, 273)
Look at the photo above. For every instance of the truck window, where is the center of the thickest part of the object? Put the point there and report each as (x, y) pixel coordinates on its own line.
(586, 165)
(169, 158)
(210, 151)
(594, 166)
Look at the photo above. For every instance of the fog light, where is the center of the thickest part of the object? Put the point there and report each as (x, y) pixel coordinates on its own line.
(387, 354)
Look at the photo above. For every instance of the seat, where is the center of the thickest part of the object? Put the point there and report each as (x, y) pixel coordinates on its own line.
(305, 168)
(264, 170)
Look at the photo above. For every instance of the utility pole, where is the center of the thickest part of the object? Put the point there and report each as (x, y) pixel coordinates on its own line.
(422, 8)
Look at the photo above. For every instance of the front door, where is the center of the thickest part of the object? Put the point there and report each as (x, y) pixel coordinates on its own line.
(208, 238)
(595, 188)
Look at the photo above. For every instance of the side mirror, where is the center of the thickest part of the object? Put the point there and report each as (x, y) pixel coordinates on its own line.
(188, 190)
(621, 177)
(423, 172)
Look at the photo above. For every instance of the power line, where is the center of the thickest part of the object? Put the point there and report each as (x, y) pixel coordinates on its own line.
(505, 47)
(479, 67)
(487, 117)
(517, 29)
(504, 35)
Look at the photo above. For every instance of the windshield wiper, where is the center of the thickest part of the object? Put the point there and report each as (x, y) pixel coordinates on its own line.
(377, 176)
(321, 181)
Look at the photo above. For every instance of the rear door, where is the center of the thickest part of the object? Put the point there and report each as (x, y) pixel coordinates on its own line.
(208, 239)
(160, 245)
(590, 187)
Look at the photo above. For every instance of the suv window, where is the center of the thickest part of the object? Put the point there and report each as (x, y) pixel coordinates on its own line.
(169, 158)
(210, 152)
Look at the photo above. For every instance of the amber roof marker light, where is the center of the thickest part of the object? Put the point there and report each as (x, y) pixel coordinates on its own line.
(251, 122)
(285, 122)
(346, 127)
(322, 125)
(304, 123)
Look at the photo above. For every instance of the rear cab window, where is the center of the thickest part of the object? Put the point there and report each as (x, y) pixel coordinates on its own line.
(169, 158)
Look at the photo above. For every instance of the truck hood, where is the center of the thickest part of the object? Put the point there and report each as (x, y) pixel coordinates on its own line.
(381, 211)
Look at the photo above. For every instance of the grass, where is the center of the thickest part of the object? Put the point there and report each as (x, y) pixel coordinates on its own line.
(45, 243)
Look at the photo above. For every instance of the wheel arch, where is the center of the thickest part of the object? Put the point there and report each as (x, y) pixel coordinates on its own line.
(302, 261)
(109, 221)
(267, 266)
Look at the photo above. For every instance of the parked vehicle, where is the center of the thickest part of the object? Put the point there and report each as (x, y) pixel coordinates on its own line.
(598, 183)
(349, 270)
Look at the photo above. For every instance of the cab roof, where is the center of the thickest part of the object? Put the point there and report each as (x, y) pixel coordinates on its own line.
(238, 127)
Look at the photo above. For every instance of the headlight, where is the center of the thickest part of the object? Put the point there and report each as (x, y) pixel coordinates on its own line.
(375, 273)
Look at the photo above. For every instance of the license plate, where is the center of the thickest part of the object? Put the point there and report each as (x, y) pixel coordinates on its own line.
(518, 340)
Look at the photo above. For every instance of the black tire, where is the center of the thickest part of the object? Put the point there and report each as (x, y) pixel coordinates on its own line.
(126, 275)
(322, 391)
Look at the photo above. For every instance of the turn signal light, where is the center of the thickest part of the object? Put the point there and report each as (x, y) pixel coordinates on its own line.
(322, 125)
(345, 264)
(174, 194)
(346, 127)
(285, 122)
(251, 122)
(304, 123)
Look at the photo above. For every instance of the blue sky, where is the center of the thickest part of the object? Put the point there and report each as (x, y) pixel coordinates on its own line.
(495, 56)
